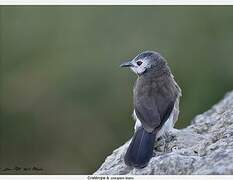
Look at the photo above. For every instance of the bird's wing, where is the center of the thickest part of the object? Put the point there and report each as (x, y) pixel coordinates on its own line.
(153, 111)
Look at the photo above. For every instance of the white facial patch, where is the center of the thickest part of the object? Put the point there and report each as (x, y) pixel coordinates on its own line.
(139, 69)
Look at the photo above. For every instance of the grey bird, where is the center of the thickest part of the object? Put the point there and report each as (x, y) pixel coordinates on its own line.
(156, 105)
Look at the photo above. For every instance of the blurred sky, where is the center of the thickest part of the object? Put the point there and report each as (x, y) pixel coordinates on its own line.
(66, 104)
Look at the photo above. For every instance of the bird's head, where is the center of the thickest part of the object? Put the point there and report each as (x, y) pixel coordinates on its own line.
(145, 61)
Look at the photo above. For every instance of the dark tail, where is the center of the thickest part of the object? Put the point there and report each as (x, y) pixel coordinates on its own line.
(140, 149)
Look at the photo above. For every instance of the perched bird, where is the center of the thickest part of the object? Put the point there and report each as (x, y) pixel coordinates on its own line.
(156, 105)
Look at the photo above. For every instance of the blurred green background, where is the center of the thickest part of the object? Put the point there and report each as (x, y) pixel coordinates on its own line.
(66, 104)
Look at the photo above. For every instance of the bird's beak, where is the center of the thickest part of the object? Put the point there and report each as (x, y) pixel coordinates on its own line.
(126, 64)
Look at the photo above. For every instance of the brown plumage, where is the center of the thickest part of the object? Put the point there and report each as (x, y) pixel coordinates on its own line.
(154, 97)
(156, 105)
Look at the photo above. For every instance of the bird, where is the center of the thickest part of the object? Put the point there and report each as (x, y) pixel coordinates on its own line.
(156, 97)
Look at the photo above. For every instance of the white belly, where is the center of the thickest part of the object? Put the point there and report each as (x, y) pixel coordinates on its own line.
(168, 126)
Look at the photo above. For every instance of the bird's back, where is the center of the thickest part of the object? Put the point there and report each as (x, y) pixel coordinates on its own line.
(154, 98)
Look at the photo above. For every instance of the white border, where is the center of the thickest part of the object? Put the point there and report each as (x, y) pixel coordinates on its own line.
(120, 177)
(116, 2)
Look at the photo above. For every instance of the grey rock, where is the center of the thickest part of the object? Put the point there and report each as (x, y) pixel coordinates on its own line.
(204, 147)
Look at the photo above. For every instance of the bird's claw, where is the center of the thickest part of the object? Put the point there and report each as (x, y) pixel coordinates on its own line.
(163, 141)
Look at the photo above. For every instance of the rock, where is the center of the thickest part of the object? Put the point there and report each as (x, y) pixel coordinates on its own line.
(204, 147)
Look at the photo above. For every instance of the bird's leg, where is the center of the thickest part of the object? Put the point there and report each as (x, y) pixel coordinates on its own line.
(163, 141)
(160, 144)
(170, 135)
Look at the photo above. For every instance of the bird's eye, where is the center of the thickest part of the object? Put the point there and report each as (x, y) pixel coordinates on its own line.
(139, 63)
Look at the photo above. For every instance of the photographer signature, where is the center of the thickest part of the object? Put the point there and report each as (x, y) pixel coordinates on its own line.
(17, 168)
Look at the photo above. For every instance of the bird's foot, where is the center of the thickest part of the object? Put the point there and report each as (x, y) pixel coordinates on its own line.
(171, 135)
(163, 141)
(160, 144)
